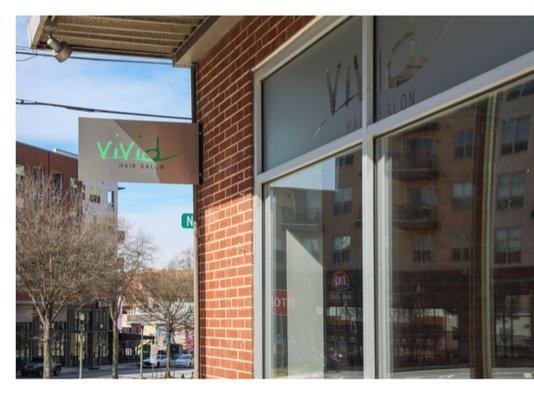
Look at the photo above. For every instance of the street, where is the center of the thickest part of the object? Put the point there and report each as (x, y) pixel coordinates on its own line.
(126, 371)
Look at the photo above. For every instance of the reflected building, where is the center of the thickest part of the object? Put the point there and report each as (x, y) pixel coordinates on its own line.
(461, 219)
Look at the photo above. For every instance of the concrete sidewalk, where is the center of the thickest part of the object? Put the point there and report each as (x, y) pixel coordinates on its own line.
(101, 368)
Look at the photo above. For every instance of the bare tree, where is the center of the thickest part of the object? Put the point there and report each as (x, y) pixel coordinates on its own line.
(57, 252)
(165, 297)
(183, 260)
(134, 251)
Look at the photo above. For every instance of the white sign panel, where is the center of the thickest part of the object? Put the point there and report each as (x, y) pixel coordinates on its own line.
(112, 150)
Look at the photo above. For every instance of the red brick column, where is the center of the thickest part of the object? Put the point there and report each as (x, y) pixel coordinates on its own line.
(224, 106)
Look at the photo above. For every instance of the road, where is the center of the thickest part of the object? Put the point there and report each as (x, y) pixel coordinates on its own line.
(126, 371)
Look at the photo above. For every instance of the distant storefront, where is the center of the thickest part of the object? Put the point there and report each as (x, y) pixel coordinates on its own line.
(67, 334)
(68, 329)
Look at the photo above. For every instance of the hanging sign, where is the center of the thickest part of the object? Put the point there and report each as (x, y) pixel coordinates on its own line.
(112, 150)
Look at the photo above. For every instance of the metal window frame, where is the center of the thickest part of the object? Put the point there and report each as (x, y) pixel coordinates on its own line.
(376, 349)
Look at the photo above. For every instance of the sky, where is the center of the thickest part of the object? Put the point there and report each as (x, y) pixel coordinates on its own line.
(143, 88)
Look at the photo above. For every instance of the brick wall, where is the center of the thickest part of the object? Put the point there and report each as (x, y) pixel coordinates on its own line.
(224, 107)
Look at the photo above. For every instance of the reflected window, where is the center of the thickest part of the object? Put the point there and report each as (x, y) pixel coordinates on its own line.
(508, 245)
(422, 249)
(461, 196)
(73, 188)
(461, 247)
(510, 190)
(57, 178)
(424, 197)
(343, 201)
(514, 135)
(341, 249)
(463, 145)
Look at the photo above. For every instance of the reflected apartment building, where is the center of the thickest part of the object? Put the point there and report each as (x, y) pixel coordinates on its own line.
(462, 214)
(443, 200)
(318, 247)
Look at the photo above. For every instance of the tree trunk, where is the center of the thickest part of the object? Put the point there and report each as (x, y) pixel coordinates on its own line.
(115, 357)
(168, 364)
(47, 372)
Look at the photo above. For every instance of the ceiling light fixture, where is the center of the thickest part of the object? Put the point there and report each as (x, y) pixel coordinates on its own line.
(62, 51)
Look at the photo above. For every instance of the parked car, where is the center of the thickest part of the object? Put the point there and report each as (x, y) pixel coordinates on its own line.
(20, 364)
(161, 361)
(35, 367)
(185, 360)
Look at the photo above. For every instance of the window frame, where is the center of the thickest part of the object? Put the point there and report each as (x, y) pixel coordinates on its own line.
(508, 238)
(57, 193)
(510, 198)
(374, 280)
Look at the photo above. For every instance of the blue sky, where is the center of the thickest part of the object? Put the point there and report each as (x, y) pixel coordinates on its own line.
(144, 88)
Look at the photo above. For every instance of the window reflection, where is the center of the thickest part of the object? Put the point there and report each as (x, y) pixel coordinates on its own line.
(313, 236)
(460, 198)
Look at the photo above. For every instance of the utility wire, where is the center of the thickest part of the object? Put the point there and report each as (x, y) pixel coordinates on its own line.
(92, 58)
(27, 59)
(24, 102)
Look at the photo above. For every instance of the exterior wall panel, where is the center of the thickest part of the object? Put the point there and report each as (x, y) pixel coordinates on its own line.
(224, 105)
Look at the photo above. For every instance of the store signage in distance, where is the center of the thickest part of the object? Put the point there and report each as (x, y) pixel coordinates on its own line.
(282, 301)
(340, 281)
(340, 284)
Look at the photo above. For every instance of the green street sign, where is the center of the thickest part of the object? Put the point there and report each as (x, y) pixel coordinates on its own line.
(188, 220)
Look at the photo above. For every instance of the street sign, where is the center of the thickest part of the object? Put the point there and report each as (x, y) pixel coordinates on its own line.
(113, 150)
(188, 220)
(153, 354)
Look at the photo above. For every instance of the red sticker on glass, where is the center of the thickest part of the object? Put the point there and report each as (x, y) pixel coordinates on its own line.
(340, 280)
(282, 301)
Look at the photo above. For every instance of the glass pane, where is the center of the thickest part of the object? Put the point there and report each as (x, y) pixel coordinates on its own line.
(412, 51)
(490, 238)
(314, 292)
(315, 98)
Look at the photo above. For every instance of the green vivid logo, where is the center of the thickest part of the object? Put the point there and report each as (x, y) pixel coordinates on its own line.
(125, 151)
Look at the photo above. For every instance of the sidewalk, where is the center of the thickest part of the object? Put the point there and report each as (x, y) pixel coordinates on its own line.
(106, 367)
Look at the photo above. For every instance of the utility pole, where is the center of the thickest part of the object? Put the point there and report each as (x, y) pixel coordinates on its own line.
(141, 353)
(80, 358)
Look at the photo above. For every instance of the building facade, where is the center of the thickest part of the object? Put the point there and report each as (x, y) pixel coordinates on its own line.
(365, 208)
(96, 328)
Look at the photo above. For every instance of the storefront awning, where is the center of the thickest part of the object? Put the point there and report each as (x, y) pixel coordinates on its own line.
(182, 39)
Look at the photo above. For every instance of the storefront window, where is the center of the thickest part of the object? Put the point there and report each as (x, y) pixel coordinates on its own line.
(24, 340)
(416, 55)
(314, 98)
(461, 277)
(314, 271)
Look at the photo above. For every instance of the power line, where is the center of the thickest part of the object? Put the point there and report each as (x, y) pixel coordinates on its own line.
(24, 102)
(27, 59)
(92, 58)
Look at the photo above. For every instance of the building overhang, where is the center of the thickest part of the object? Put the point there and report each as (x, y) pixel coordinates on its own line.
(182, 39)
